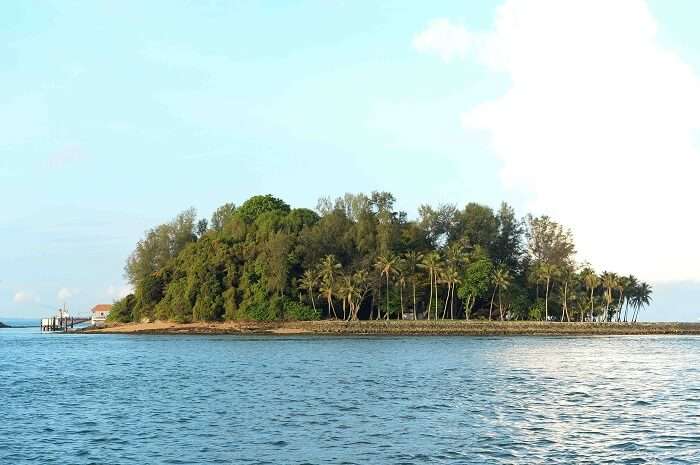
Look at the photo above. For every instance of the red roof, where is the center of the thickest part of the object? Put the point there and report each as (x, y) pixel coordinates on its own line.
(101, 308)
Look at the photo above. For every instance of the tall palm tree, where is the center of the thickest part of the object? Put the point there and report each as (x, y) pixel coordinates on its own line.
(590, 280)
(431, 263)
(353, 290)
(411, 265)
(450, 276)
(632, 283)
(609, 281)
(328, 271)
(308, 282)
(567, 278)
(387, 265)
(642, 298)
(547, 272)
(345, 288)
(501, 282)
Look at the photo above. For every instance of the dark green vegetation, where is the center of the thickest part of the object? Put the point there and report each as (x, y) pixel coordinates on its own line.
(3, 325)
(358, 258)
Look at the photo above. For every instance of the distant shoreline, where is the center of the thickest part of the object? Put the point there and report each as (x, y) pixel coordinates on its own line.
(402, 328)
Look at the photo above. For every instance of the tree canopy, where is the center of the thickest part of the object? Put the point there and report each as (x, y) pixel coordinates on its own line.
(357, 257)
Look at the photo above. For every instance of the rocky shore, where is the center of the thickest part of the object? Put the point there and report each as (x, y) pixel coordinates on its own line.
(404, 328)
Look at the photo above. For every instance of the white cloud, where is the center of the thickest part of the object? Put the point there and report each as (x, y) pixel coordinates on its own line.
(444, 39)
(119, 292)
(599, 124)
(25, 297)
(64, 293)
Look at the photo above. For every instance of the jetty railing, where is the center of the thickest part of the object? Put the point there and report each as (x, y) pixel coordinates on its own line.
(61, 323)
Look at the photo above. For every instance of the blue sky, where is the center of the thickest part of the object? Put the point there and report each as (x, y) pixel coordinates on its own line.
(118, 115)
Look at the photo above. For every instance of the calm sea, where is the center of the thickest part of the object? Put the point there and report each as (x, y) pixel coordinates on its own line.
(120, 399)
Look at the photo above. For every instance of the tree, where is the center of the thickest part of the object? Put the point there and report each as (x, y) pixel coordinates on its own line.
(609, 281)
(160, 246)
(591, 281)
(309, 282)
(475, 282)
(328, 271)
(255, 206)
(641, 299)
(432, 264)
(567, 278)
(632, 284)
(477, 224)
(501, 282)
(387, 265)
(202, 227)
(451, 277)
(507, 248)
(547, 272)
(549, 242)
(222, 215)
(411, 265)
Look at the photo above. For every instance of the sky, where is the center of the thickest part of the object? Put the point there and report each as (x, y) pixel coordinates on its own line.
(115, 116)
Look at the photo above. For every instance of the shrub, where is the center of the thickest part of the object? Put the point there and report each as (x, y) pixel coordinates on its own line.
(296, 311)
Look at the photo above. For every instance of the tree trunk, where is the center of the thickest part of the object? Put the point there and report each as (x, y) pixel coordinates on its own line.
(500, 304)
(401, 297)
(436, 296)
(430, 300)
(546, 302)
(452, 303)
(415, 315)
(386, 310)
(311, 296)
(493, 296)
(447, 299)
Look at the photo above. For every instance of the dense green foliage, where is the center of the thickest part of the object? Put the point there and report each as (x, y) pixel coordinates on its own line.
(358, 258)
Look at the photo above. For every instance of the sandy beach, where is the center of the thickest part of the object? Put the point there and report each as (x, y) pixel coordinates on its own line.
(393, 327)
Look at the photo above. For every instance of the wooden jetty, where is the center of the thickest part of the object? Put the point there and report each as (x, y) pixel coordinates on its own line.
(62, 321)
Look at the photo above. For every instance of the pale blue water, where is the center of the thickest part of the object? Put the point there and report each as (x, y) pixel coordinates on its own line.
(109, 399)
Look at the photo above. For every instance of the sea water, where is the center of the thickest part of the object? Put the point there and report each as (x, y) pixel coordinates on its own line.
(177, 399)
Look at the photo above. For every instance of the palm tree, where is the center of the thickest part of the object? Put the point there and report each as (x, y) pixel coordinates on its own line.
(547, 272)
(590, 280)
(308, 282)
(431, 263)
(345, 288)
(501, 281)
(450, 276)
(327, 271)
(632, 283)
(566, 277)
(642, 298)
(609, 281)
(411, 264)
(387, 265)
(353, 290)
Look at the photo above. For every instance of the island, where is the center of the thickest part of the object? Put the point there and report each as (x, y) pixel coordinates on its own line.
(359, 265)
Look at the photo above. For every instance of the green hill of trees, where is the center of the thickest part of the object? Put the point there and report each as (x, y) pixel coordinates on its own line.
(356, 257)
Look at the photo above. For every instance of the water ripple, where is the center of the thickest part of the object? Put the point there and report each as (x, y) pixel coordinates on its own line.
(256, 400)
